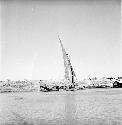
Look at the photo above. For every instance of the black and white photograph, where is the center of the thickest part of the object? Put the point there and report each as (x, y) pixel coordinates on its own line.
(60, 62)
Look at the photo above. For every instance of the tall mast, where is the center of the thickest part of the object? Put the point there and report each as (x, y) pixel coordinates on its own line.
(69, 72)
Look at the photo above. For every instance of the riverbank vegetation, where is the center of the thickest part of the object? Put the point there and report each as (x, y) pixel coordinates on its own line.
(45, 86)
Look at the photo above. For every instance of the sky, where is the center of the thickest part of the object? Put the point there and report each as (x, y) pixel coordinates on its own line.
(90, 31)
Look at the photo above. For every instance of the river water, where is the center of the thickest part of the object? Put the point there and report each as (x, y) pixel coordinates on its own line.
(82, 107)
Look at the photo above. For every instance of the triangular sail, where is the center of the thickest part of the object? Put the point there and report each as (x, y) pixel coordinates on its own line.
(69, 72)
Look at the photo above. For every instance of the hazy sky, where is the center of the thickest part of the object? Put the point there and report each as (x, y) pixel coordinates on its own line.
(90, 31)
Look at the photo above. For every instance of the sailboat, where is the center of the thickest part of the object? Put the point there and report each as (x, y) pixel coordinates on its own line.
(69, 71)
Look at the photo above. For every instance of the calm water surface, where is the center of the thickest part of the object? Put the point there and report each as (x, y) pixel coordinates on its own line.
(84, 107)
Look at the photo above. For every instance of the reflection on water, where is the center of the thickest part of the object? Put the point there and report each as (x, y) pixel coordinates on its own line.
(70, 108)
(86, 107)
